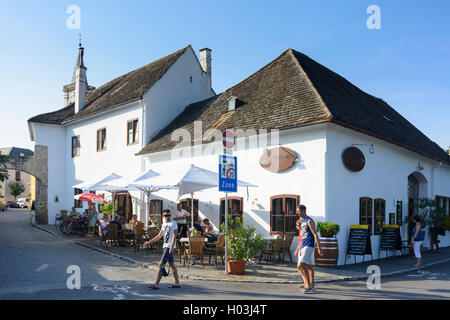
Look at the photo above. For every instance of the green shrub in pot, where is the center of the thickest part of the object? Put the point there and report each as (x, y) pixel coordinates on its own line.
(328, 229)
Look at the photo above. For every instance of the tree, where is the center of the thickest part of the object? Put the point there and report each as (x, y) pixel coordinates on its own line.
(3, 160)
(16, 188)
(429, 211)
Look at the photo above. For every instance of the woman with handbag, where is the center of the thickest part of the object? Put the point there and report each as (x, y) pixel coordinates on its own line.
(418, 235)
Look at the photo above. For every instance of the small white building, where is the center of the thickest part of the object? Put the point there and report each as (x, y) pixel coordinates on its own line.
(346, 155)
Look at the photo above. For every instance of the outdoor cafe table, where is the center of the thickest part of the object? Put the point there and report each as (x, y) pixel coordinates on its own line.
(186, 240)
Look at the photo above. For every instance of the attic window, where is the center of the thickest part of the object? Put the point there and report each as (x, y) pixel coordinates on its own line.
(233, 103)
(387, 119)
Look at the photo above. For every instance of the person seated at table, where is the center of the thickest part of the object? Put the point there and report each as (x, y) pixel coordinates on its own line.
(104, 223)
(117, 222)
(212, 237)
(134, 222)
(198, 226)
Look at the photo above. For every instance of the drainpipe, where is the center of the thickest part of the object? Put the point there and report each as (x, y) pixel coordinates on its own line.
(142, 142)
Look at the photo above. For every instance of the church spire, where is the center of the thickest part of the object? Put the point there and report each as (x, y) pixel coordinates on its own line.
(75, 92)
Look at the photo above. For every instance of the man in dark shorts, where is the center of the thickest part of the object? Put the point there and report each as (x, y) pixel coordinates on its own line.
(169, 231)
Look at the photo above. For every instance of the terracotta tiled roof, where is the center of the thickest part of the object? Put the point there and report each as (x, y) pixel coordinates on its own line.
(126, 88)
(294, 90)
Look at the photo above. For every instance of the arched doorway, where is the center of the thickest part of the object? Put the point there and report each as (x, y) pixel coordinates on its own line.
(37, 166)
(417, 189)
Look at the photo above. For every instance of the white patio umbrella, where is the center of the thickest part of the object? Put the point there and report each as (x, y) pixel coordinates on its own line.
(95, 184)
(144, 183)
(103, 184)
(189, 180)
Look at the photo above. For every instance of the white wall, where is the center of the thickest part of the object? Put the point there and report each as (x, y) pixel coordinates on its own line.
(171, 94)
(53, 136)
(306, 178)
(118, 156)
(385, 176)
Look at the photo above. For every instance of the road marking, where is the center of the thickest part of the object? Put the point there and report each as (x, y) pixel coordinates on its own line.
(428, 274)
(119, 291)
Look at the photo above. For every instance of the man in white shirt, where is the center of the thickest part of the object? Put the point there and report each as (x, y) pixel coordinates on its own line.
(180, 218)
(169, 232)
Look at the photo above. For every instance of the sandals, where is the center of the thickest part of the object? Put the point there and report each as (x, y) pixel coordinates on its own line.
(152, 286)
(174, 286)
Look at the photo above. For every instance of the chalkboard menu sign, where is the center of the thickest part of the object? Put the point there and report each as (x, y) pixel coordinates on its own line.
(391, 239)
(358, 243)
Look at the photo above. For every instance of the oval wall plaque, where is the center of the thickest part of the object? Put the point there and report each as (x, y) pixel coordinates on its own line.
(353, 159)
(278, 159)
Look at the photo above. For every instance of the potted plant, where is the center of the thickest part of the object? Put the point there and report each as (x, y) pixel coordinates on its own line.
(107, 208)
(243, 243)
(192, 232)
(328, 229)
(432, 215)
(329, 245)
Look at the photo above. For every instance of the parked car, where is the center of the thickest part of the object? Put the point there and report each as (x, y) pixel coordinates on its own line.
(3, 206)
(12, 204)
(23, 202)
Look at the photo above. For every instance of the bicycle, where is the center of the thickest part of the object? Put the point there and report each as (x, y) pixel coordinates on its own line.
(64, 224)
(78, 225)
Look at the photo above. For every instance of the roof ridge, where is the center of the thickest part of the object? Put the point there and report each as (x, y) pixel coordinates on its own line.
(254, 73)
(180, 51)
(319, 97)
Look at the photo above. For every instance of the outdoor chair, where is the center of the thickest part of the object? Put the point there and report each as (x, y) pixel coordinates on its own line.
(287, 242)
(151, 233)
(61, 217)
(139, 236)
(272, 249)
(194, 249)
(219, 250)
(112, 235)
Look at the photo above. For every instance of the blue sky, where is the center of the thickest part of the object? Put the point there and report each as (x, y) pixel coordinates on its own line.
(406, 62)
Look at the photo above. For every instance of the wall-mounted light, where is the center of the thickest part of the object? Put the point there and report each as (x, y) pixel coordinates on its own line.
(371, 149)
(419, 167)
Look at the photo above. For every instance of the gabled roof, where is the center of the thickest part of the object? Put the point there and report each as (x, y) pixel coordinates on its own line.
(126, 88)
(16, 152)
(291, 91)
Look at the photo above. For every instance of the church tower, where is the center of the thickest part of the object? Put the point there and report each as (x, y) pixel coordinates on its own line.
(76, 91)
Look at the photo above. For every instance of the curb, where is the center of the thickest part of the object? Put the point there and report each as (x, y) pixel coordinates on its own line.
(189, 277)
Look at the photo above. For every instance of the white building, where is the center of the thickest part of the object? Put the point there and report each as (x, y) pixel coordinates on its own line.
(99, 131)
(319, 115)
(307, 109)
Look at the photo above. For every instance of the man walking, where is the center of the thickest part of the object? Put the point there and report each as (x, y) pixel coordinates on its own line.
(169, 231)
(309, 239)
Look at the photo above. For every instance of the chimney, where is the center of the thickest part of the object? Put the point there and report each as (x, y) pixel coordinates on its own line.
(80, 81)
(205, 62)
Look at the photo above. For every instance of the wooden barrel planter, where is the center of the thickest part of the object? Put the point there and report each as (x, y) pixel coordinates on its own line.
(330, 250)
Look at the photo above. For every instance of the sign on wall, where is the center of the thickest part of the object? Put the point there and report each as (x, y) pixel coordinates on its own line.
(278, 159)
(353, 159)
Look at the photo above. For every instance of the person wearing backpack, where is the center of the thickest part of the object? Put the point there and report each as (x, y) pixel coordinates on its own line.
(418, 235)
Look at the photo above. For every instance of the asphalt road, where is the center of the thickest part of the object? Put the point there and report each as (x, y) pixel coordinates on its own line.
(33, 265)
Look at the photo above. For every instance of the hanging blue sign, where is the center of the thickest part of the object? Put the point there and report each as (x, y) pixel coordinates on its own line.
(227, 173)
